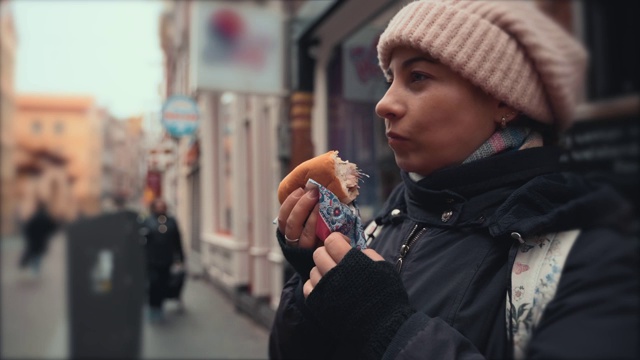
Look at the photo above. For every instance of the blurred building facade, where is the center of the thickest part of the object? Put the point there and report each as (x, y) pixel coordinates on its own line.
(8, 45)
(133, 158)
(230, 57)
(58, 153)
(165, 153)
(324, 98)
(122, 160)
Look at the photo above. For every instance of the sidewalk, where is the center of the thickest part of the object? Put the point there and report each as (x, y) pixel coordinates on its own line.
(210, 328)
(35, 323)
(33, 309)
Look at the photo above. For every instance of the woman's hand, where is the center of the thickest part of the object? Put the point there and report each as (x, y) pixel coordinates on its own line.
(326, 257)
(356, 297)
(297, 218)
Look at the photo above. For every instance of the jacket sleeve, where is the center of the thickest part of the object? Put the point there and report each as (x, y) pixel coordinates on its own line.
(595, 312)
(298, 331)
(300, 259)
(294, 333)
(364, 306)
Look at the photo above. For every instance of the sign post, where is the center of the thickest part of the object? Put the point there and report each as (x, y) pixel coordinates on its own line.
(180, 116)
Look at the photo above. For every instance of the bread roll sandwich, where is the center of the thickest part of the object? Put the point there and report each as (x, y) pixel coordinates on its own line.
(337, 183)
(329, 170)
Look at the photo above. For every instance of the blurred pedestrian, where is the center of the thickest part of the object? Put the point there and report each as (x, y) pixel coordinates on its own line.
(488, 248)
(37, 231)
(163, 251)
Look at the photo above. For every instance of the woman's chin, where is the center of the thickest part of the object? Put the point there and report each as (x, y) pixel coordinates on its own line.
(412, 165)
(406, 164)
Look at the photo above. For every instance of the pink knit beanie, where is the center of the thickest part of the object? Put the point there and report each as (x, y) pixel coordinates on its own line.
(508, 48)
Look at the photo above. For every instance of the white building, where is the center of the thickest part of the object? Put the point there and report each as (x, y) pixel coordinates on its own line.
(229, 56)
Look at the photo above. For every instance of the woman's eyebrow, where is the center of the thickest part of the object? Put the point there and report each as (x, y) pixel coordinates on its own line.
(413, 60)
(416, 59)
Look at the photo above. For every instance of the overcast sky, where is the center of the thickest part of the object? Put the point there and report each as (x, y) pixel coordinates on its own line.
(108, 49)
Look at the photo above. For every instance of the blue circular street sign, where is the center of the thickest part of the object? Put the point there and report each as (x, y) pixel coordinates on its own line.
(180, 115)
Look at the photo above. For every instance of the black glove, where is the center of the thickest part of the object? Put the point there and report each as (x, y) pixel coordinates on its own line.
(362, 302)
(300, 259)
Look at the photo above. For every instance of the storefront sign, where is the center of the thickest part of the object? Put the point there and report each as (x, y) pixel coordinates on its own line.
(362, 79)
(236, 47)
(180, 115)
(607, 147)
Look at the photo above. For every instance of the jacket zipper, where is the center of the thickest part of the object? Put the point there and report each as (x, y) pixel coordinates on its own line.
(414, 235)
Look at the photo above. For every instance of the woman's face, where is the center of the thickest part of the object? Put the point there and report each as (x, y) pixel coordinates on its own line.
(159, 207)
(434, 118)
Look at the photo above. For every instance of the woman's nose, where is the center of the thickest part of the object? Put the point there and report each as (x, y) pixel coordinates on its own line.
(388, 107)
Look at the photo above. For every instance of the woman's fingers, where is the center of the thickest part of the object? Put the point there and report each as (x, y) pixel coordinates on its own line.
(337, 246)
(287, 206)
(324, 262)
(314, 276)
(308, 236)
(373, 255)
(307, 288)
(326, 257)
(298, 218)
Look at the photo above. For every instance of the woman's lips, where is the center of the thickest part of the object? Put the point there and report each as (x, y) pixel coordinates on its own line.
(395, 140)
(395, 137)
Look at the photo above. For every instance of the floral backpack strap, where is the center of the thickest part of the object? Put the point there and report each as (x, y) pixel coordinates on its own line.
(534, 279)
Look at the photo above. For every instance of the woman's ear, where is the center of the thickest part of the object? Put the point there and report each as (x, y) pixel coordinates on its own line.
(505, 114)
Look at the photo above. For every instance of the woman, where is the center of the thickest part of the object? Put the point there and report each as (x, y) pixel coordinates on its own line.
(163, 249)
(487, 249)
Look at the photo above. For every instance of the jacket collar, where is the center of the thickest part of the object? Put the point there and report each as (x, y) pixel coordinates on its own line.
(479, 176)
(519, 191)
(466, 195)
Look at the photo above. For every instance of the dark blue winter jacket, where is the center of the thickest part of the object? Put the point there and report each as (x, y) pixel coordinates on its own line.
(455, 275)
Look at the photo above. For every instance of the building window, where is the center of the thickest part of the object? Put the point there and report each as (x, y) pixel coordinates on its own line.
(355, 85)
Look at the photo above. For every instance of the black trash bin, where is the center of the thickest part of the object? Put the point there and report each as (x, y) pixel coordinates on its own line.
(106, 287)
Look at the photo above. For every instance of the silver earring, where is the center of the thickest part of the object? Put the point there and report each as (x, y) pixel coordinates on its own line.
(503, 122)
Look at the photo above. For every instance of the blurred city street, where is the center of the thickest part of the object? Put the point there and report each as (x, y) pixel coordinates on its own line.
(186, 116)
(35, 322)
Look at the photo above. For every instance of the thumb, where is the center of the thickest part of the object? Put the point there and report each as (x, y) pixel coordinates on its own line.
(337, 246)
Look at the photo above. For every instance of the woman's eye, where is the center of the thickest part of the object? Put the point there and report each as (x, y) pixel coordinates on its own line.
(416, 76)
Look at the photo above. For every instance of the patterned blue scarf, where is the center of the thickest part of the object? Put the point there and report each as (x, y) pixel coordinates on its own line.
(509, 138)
